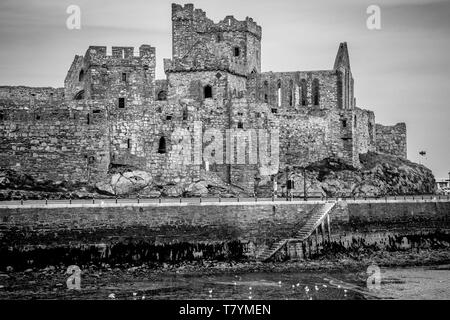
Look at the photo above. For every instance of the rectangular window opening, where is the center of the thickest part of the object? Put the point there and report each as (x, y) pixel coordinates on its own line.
(121, 103)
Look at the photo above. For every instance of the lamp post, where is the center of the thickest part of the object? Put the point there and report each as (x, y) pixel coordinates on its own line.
(423, 154)
(304, 184)
(448, 182)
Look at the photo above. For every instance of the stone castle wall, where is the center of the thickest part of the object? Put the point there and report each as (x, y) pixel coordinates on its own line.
(112, 111)
(391, 139)
(69, 142)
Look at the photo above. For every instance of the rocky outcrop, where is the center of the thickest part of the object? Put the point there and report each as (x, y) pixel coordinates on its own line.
(15, 185)
(129, 182)
(379, 175)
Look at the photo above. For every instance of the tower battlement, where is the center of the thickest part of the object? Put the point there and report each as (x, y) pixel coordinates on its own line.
(117, 55)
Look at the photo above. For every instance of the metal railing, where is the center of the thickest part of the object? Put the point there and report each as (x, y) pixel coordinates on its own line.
(218, 198)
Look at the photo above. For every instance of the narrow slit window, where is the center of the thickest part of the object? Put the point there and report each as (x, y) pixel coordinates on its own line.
(162, 145)
(81, 75)
(237, 51)
(304, 92)
(124, 77)
(266, 91)
(315, 92)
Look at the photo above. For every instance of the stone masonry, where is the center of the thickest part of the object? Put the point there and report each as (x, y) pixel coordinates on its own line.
(112, 111)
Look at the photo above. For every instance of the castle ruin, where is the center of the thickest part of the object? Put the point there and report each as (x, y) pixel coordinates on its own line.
(112, 111)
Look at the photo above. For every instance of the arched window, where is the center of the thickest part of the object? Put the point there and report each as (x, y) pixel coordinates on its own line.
(266, 91)
(207, 92)
(81, 75)
(304, 92)
(291, 93)
(279, 93)
(79, 95)
(315, 92)
(162, 145)
(162, 95)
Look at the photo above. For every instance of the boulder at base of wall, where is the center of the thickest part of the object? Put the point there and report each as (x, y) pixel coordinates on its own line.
(125, 183)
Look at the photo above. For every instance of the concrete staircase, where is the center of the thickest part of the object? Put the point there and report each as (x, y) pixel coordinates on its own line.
(315, 219)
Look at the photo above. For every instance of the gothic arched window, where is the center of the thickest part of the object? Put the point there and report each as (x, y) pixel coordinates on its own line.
(304, 92)
(266, 91)
(315, 92)
(81, 75)
(291, 93)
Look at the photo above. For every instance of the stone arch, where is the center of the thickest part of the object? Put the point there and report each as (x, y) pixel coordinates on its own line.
(162, 95)
(79, 95)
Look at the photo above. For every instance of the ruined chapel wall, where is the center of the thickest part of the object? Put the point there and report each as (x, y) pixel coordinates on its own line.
(391, 139)
(68, 144)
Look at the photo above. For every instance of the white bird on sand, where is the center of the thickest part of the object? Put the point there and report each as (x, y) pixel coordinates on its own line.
(306, 288)
(298, 284)
(112, 296)
(250, 288)
(279, 283)
(293, 286)
(324, 285)
(316, 288)
(210, 291)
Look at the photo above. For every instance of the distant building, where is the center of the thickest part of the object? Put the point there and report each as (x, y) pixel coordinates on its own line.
(442, 183)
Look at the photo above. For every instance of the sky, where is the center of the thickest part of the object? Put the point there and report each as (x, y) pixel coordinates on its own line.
(401, 71)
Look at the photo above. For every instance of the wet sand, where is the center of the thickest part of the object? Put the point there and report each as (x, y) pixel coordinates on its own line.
(404, 275)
